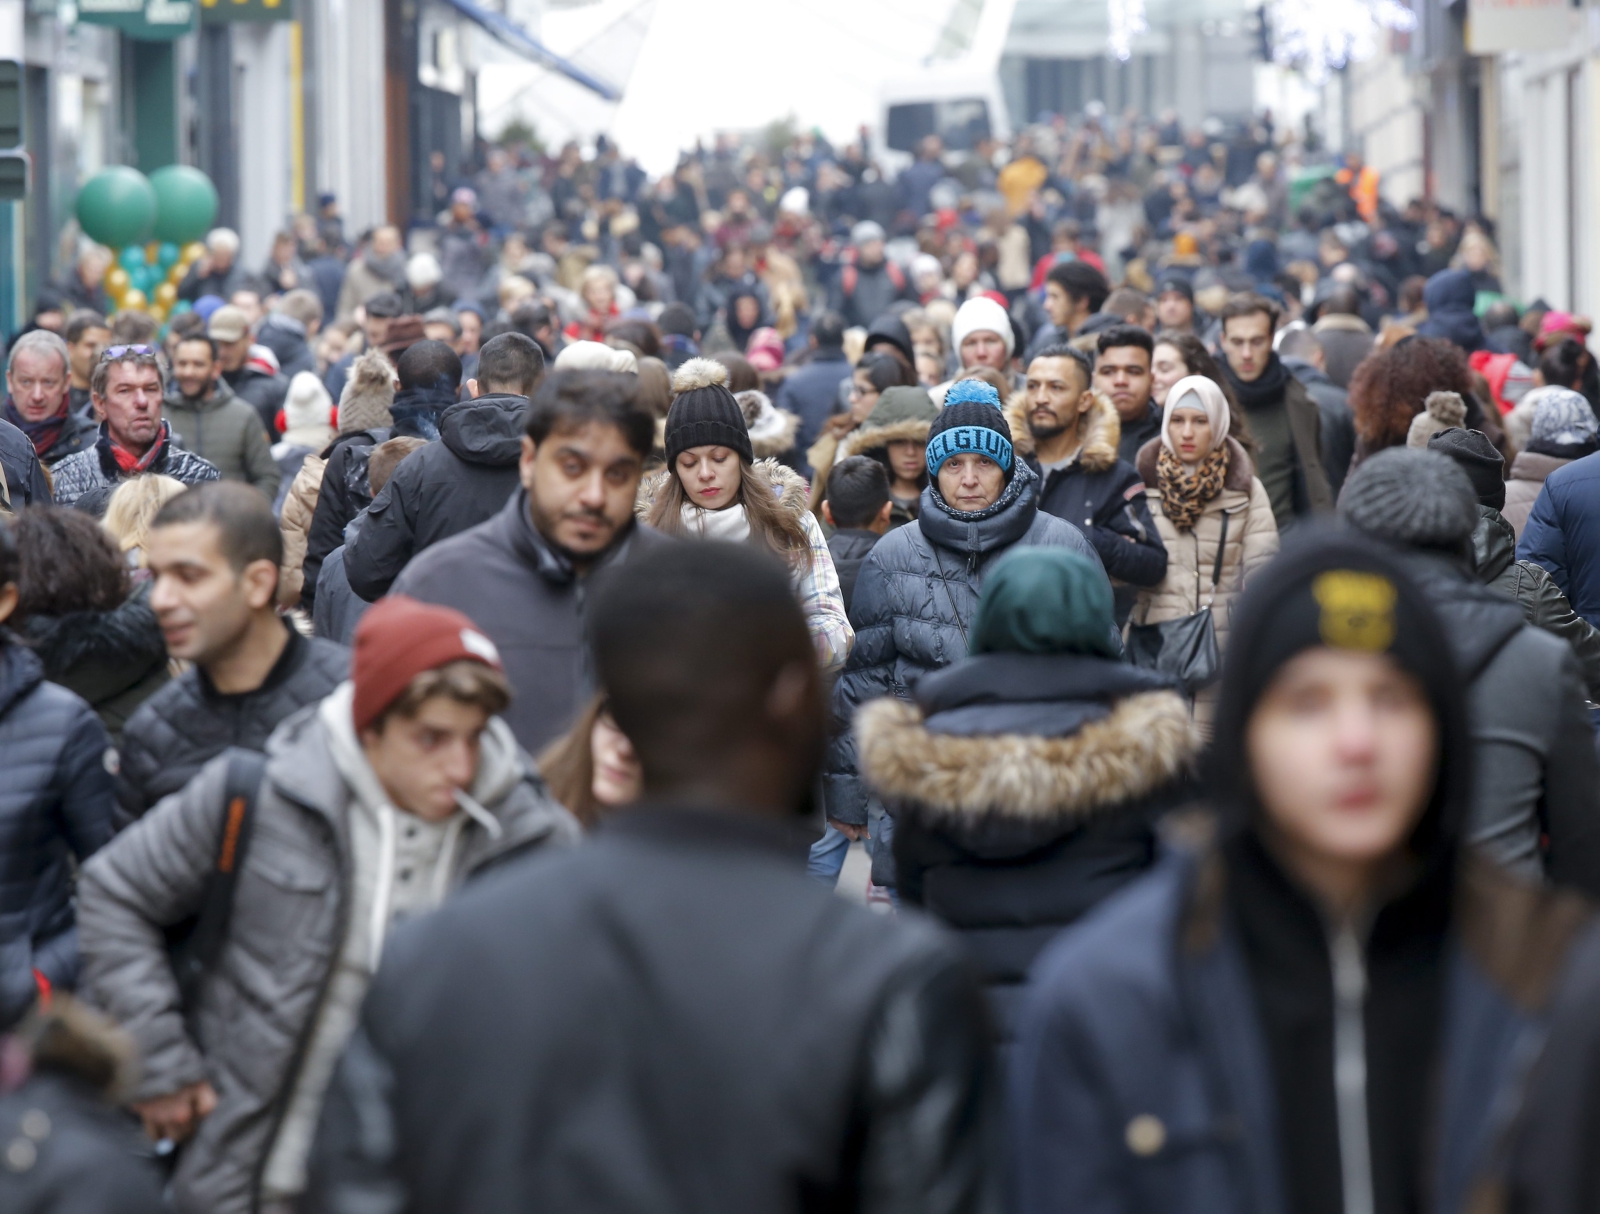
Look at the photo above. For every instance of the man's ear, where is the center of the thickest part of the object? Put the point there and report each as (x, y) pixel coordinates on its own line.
(827, 515)
(885, 515)
(473, 390)
(261, 583)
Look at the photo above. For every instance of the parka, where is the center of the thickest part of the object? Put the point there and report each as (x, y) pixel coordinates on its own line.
(897, 417)
(226, 432)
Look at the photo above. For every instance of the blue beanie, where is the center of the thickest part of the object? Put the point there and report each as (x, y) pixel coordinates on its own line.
(970, 422)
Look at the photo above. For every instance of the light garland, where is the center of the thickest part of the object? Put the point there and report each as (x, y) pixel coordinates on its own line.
(1126, 18)
(1322, 36)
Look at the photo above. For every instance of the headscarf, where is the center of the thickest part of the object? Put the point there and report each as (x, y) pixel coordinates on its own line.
(1186, 489)
(1196, 392)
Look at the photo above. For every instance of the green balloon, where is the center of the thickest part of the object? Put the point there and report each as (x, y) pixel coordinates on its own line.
(186, 203)
(182, 306)
(117, 207)
(167, 256)
(132, 258)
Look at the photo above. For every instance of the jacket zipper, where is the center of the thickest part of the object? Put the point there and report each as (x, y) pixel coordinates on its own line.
(1350, 1069)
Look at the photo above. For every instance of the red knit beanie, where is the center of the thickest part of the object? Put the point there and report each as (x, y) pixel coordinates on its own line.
(399, 638)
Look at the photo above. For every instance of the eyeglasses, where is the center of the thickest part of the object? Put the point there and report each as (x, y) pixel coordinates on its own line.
(112, 353)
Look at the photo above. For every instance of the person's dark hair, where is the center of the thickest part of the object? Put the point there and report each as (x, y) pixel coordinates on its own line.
(131, 327)
(428, 364)
(1562, 365)
(828, 330)
(1247, 303)
(186, 338)
(512, 362)
(1388, 387)
(858, 486)
(688, 640)
(80, 322)
(1124, 335)
(742, 377)
(8, 556)
(1502, 314)
(1343, 300)
(1060, 349)
(640, 334)
(1197, 359)
(185, 325)
(569, 400)
(655, 386)
(1411, 293)
(677, 319)
(249, 532)
(883, 370)
(529, 316)
(1080, 280)
(67, 564)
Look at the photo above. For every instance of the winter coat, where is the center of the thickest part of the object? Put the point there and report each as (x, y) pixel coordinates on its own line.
(227, 433)
(362, 281)
(893, 419)
(1102, 495)
(299, 508)
(849, 547)
(529, 600)
(861, 293)
(221, 283)
(189, 722)
(96, 468)
(25, 479)
(286, 338)
(1024, 788)
(344, 493)
(56, 805)
(681, 1019)
(1449, 297)
(914, 599)
(77, 433)
(252, 1019)
(1192, 554)
(114, 659)
(1133, 436)
(1142, 1081)
(1494, 548)
(1345, 341)
(1338, 420)
(339, 609)
(1561, 534)
(440, 490)
(811, 392)
(1529, 471)
(261, 391)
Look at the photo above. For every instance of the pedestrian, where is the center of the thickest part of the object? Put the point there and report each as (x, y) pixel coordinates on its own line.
(811, 390)
(38, 400)
(378, 316)
(1318, 979)
(214, 554)
(217, 271)
(874, 375)
(713, 488)
(1025, 780)
(134, 439)
(290, 330)
(916, 593)
(1387, 391)
(1302, 353)
(253, 378)
(1122, 374)
(370, 806)
(1536, 789)
(212, 422)
(895, 434)
(860, 510)
(983, 336)
(1564, 429)
(1344, 337)
(703, 944)
(1073, 292)
(525, 572)
(338, 607)
(463, 245)
(382, 268)
(868, 282)
(89, 625)
(86, 334)
(1451, 297)
(1281, 415)
(1175, 305)
(592, 769)
(130, 509)
(307, 429)
(458, 482)
(56, 807)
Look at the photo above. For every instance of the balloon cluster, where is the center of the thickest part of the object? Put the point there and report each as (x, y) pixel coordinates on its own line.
(154, 226)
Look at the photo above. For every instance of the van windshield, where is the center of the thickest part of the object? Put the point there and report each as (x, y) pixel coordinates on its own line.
(961, 123)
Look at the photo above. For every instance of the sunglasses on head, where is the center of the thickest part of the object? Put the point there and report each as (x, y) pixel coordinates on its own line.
(112, 353)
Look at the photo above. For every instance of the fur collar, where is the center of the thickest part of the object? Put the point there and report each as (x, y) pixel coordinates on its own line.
(864, 439)
(789, 486)
(775, 438)
(1147, 742)
(1104, 431)
(1240, 470)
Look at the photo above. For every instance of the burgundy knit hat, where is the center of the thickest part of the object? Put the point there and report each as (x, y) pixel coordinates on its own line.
(399, 638)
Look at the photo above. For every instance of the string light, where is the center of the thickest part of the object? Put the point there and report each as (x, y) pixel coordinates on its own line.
(1126, 18)
(1322, 36)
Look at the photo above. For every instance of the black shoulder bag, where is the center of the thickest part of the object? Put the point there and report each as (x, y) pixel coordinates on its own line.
(1185, 648)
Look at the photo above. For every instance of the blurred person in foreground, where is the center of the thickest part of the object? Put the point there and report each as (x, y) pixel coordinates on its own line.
(877, 1100)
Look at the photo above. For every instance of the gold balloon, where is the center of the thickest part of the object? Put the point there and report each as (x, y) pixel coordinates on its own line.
(117, 283)
(133, 300)
(166, 295)
(175, 275)
(158, 312)
(192, 252)
(152, 252)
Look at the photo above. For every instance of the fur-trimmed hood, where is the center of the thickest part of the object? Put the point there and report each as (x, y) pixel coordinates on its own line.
(1146, 743)
(118, 647)
(789, 485)
(1104, 431)
(772, 430)
(868, 438)
(1241, 471)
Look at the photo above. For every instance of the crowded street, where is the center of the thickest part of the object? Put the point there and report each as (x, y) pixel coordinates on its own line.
(1000, 619)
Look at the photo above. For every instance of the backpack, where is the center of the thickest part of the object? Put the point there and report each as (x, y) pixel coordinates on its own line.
(850, 276)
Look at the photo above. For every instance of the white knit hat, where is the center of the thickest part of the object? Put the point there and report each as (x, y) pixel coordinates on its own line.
(307, 402)
(593, 356)
(982, 315)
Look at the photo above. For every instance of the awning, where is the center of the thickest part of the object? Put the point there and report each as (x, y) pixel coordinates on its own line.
(509, 34)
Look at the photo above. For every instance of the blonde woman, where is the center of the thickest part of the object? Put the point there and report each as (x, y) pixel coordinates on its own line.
(130, 509)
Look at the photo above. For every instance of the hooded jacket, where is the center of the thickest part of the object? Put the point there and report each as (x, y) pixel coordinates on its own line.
(1338, 420)
(227, 433)
(1024, 790)
(897, 417)
(256, 1011)
(811, 393)
(1449, 297)
(343, 492)
(1561, 536)
(440, 490)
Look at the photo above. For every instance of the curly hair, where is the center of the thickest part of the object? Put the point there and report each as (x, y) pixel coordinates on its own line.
(68, 564)
(1389, 386)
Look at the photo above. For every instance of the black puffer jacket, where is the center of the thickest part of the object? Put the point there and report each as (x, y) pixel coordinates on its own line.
(345, 493)
(1023, 789)
(56, 802)
(26, 481)
(440, 490)
(188, 722)
(113, 659)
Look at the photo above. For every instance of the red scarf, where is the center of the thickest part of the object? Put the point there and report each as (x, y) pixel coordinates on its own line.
(131, 464)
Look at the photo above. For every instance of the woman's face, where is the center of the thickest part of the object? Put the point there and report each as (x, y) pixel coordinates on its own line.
(1342, 749)
(617, 777)
(863, 397)
(930, 369)
(597, 293)
(965, 270)
(747, 310)
(1190, 431)
(907, 459)
(710, 476)
(1166, 368)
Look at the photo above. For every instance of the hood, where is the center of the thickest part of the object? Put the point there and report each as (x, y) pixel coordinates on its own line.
(892, 329)
(1261, 260)
(1535, 467)
(1241, 471)
(416, 411)
(1449, 296)
(787, 484)
(772, 430)
(1494, 544)
(20, 671)
(1477, 620)
(120, 645)
(1103, 431)
(284, 336)
(998, 526)
(487, 430)
(901, 415)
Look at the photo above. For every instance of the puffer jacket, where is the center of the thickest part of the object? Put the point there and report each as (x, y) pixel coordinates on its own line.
(1192, 555)
(1528, 474)
(227, 433)
(1494, 550)
(115, 660)
(440, 490)
(1024, 789)
(56, 803)
(299, 508)
(914, 599)
(344, 492)
(96, 467)
(255, 1010)
(188, 722)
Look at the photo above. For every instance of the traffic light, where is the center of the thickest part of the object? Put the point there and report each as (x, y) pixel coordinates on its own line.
(13, 157)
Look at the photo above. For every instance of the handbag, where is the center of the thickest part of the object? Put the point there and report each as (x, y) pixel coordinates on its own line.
(1186, 648)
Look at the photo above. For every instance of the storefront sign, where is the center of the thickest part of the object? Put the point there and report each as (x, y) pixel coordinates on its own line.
(149, 20)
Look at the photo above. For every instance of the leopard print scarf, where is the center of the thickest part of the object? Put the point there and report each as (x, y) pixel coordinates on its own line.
(1184, 494)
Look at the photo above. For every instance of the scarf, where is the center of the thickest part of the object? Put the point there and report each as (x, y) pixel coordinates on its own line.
(1264, 391)
(43, 434)
(730, 524)
(132, 465)
(1185, 491)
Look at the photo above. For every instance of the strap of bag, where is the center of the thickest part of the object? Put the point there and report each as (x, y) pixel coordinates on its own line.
(948, 597)
(1216, 568)
(241, 786)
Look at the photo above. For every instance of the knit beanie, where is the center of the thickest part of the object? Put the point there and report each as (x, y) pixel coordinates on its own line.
(1044, 600)
(704, 413)
(307, 402)
(981, 315)
(595, 356)
(399, 638)
(1441, 411)
(1561, 417)
(971, 421)
(1475, 455)
(1415, 499)
(368, 393)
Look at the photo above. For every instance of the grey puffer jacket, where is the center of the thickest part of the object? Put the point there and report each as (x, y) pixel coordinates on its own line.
(188, 722)
(914, 601)
(255, 1011)
(56, 799)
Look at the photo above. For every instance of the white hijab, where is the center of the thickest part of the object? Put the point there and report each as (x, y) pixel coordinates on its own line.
(1196, 392)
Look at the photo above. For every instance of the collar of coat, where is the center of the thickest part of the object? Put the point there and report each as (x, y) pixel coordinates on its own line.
(1102, 431)
(1240, 470)
(787, 484)
(867, 439)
